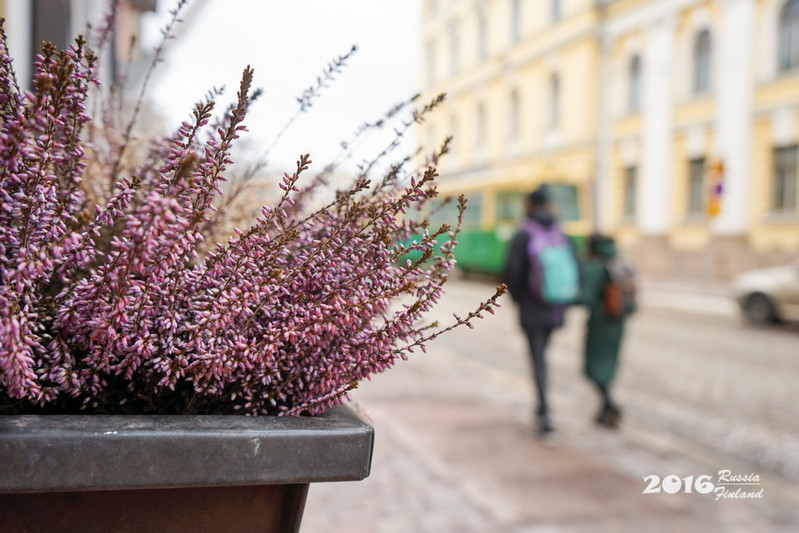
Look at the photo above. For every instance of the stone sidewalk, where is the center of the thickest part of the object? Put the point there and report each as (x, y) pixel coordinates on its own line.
(455, 452)
(453, 458)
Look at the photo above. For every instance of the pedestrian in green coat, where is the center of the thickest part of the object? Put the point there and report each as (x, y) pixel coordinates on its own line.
(604, 332)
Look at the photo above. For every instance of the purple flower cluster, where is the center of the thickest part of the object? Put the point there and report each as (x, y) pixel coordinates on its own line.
(115, 308)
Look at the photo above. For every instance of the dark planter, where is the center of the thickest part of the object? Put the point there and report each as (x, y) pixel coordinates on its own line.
(97, 473)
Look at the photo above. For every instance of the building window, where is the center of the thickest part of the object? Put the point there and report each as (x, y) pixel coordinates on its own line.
(482, 35)
(703, 56)
(431, 61)
(513, 119)
(554, 101)
(696, 186)
(481, 126)
(634, 85)
(789, 35)
(516, 20)
(555, 10)
(784, 194)
(630, 191)
(453, 47)
(51, 21)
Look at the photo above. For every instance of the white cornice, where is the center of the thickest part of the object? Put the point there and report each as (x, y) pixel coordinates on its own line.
(652, 13)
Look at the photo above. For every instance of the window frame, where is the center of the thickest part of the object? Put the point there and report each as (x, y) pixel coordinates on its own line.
(515, 21)
(630, 193)
(513, 118)
(431, 61)
(785, 188)
(554, 100)
(454, 47)
(634, 84)
(788, 37)
(432, 138)
(702, 75)
(555, 11)
(482, 34)
(697, 187)
(480, 130)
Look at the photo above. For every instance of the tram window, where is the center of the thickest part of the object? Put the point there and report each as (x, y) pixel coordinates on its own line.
(474, 211)
(443, 214)
(566, 200)
(510, 206)
(448, 213)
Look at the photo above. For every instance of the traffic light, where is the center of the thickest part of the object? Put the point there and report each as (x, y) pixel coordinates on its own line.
(716, 184)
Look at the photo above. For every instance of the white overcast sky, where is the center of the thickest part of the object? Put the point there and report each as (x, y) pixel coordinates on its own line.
(288, 43)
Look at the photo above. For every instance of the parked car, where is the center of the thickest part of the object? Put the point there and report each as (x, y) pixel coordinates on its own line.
(769, 294)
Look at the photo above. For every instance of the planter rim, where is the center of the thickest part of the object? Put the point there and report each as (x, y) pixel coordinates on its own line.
(43, 453)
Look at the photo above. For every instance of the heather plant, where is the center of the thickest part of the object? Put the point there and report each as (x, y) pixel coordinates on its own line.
(129, 302)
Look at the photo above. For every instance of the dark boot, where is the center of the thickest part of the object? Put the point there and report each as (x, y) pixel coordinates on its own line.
(609, 416)
(543, 423)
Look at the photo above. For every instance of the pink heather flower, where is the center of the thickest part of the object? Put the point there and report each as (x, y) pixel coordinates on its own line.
(119, 295)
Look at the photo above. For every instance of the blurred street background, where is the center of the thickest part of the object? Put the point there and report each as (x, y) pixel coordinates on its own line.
(455, 449)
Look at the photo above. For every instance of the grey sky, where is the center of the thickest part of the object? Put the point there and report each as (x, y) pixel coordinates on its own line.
(288, 43)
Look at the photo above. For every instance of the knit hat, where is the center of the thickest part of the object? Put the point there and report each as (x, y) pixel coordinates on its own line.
(540, 196)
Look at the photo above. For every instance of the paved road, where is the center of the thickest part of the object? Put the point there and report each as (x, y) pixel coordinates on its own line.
(455, 450)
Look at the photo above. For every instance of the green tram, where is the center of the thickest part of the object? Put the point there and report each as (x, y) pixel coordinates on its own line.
(493, 216)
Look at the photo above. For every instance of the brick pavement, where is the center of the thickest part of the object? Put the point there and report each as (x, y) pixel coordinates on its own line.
(455, 450)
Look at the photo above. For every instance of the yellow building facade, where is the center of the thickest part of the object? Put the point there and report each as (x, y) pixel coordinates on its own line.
(671, 124)
(509, 69)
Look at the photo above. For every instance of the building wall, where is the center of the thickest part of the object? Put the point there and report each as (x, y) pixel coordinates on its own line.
(520, 145)
(63, 20)
(748, 108)
(769, 231)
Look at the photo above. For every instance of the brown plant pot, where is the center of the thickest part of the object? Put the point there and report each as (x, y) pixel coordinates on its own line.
(97, 473)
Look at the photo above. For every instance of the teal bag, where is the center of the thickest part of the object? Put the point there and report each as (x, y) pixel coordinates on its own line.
(555, 276)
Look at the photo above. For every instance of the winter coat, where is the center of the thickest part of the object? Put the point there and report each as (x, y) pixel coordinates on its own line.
(603, 333)
(534, 313)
